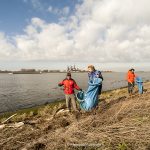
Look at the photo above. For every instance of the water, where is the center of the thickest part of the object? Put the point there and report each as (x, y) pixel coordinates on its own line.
(27, 90)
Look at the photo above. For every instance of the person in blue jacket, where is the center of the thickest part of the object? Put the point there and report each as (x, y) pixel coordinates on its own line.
(93, 73)
(140, 84)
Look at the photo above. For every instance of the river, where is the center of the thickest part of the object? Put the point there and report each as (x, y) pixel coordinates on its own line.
(19, 91)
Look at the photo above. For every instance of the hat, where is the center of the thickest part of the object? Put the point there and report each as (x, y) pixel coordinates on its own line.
(132, 69)
(69, 74)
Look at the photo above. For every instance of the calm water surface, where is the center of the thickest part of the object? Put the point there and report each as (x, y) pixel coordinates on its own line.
(27, 90)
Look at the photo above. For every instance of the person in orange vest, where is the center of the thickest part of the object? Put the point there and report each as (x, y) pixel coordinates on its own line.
(69, 86)
(131, 80)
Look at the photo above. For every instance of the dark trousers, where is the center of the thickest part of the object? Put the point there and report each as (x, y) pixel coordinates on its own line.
(130, 87)
(100, 90)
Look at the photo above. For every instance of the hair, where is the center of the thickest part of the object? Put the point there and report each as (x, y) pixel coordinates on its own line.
(132, 69)
(92, 67)
(68, 74)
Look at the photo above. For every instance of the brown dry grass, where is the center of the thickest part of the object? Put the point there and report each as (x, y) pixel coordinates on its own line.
(120, 122)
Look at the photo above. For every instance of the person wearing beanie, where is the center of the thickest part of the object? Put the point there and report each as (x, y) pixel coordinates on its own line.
(131, 81)
(69, 86)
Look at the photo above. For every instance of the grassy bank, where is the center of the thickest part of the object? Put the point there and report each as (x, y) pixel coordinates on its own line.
(34, 111)
(119, 123)
(31, 111)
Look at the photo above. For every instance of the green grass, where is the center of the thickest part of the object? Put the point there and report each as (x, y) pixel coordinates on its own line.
(122, 146)
(28, 111)
(35, 110)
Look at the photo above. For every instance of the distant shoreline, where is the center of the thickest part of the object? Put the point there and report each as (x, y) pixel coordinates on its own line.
(18, 72)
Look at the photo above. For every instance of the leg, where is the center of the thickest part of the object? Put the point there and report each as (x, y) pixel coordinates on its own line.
(129, 87)
(140, 88)
(100, 90)
(68, 102)
(73, 101)
(133, 85)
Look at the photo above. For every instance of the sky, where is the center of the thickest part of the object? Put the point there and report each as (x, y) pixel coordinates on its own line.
(51, 34)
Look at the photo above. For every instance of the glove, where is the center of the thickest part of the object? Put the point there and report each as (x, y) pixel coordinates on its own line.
(80, 90)
(60, 85)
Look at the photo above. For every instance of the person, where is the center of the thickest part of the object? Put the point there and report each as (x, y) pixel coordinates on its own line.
(69, 86)
(88, 100)
(131, 81)
(139, 82)
(93, 73)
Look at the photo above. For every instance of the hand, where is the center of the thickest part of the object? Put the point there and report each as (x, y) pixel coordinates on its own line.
(60, 85)
(80, 90)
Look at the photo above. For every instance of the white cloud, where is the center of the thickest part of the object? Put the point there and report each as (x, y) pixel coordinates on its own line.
(64, 11)
(99, 31)
(7, 50)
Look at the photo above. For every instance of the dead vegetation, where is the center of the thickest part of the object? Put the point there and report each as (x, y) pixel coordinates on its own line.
(119, 123)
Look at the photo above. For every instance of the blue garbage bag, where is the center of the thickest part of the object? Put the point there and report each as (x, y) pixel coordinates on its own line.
(89, 99)
(140, 84)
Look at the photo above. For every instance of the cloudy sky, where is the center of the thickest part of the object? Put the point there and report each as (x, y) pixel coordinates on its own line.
(111, 34)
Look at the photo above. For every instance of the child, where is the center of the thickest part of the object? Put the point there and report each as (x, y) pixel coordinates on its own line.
(140, 84)
(69, 86)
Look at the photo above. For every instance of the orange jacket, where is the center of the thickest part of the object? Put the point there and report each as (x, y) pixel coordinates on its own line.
(69, 86)
(130, 77)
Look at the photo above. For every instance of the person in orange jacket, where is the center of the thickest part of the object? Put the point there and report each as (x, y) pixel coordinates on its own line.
(131, 79)
(69, 86)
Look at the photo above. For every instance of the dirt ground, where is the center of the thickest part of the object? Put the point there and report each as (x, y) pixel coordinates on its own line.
(120, 122)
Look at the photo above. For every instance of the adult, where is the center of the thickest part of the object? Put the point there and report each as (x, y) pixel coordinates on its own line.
(69, 86)
(93, 73)
(131, 81)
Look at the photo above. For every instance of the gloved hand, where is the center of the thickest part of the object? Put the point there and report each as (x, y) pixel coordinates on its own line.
(80, 90)
(60, 85)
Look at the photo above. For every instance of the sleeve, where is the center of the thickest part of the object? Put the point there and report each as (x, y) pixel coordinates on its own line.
(100, 75)
(128, 77)
(89, 75)
(76, 86)
(61, 83)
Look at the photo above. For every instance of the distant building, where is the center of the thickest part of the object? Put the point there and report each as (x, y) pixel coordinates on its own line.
(45, 71)
(73, 69)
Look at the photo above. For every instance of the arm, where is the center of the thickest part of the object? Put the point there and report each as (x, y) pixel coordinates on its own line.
(76, 86)
(100, 75)
(89, 76)
(61, 83)
(128, 78)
